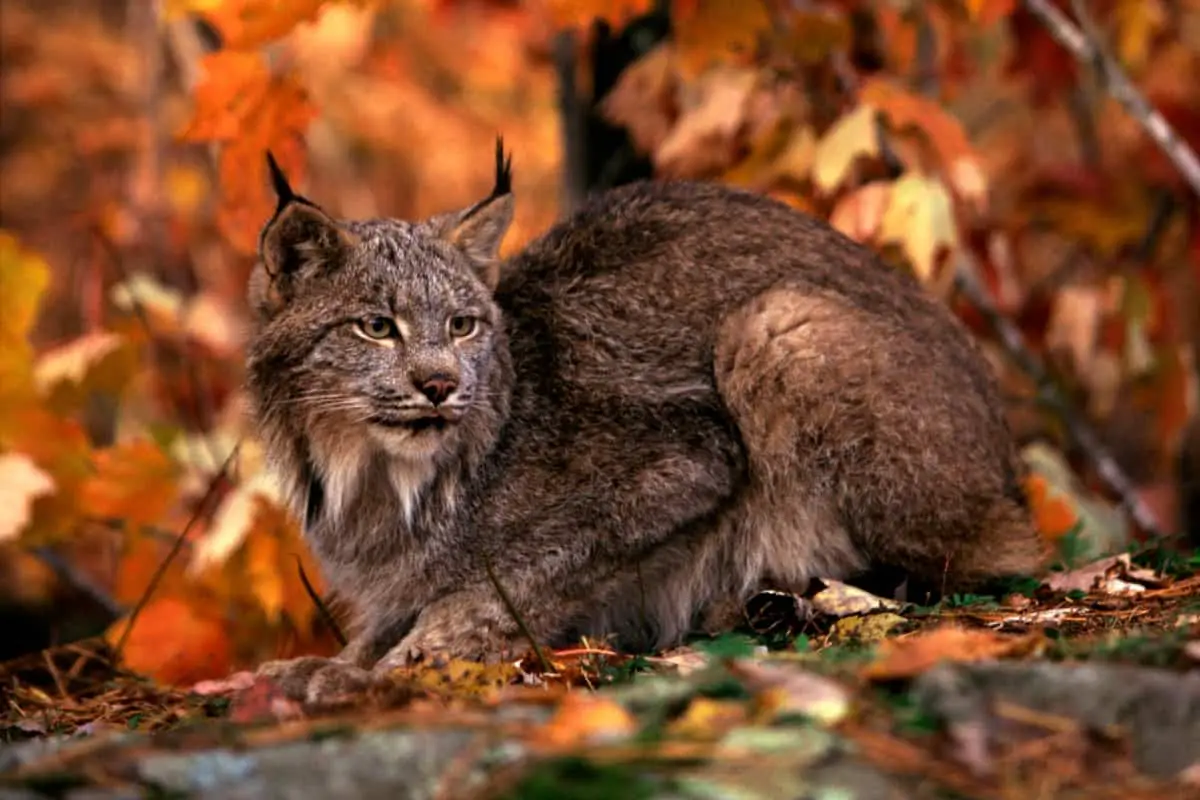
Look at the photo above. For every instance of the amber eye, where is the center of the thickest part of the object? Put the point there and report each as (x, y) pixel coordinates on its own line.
(461, 327)
(378, 328)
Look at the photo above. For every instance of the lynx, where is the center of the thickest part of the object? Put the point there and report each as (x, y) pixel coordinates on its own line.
(679, 395)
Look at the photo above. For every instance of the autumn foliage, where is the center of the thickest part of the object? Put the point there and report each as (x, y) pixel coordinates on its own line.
(952, 135)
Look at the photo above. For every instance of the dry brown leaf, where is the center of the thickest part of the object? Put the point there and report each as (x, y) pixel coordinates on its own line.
(859, 213)
(713, 110)
(912, 655)
(643, 98)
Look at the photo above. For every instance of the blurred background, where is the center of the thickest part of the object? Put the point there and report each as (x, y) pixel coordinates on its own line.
(959, 138)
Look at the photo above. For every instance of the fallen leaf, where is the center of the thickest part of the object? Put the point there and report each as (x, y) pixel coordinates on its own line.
(852, 137)
(1112, 575)
(21, 482)
(584, 718)
(908, 656)
(839, 599)
(867, 628)
(786, 689)
(707, 719)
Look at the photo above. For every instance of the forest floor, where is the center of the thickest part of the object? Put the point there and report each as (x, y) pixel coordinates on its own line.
(1082, 686)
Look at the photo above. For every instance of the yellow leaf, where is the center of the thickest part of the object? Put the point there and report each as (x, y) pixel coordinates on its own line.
(23, 280)
(851, 137)
(708, 720)
(798, 156)
(1137, 23)
(177, 9)
(920, 217)
(71, 361)
(21, 482)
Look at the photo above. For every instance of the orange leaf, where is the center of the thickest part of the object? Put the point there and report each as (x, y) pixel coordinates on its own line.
(906, 110)
(240, 104)
(989, 12)
(582, 718)
(1053, 516)
(247, 24)
(912, 655)
(574, 13)
(135, 482)
(175, 643)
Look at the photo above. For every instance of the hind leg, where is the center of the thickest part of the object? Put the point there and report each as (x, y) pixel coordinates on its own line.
(867, 445)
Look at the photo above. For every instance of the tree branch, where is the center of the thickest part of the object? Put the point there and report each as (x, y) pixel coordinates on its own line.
(1089, 51)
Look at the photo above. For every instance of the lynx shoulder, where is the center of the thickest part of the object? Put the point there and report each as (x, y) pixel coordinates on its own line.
(679, 395)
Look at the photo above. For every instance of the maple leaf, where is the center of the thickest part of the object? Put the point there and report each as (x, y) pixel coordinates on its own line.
(136, 482)
(852, 137)
(21, 482)
(904, 110)
(176, 641)
(241, 105)
(920, 216)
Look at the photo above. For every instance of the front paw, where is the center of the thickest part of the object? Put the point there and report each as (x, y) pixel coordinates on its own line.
(441, 637)
(316, 681)
(292, 675)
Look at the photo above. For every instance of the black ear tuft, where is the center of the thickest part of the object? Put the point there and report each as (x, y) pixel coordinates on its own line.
(279, 181)
(503, 171)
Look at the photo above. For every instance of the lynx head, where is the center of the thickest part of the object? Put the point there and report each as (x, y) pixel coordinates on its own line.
(376, 338)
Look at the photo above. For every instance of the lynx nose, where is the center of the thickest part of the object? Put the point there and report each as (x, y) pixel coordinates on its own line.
(437, 387)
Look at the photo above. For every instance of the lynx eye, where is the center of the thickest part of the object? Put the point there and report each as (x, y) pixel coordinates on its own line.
(461, 327)
(378, 328)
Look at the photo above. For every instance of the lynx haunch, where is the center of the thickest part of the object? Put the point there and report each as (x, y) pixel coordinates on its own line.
(678, 395)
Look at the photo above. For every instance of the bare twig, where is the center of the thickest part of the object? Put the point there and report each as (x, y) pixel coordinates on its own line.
(516, 615)
(570, 113)
(155, 579)
(70, 575)
(1080, 432)
(1089, 51)
(322, 609)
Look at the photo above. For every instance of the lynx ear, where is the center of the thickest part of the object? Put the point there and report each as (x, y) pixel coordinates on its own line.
(299, 234)
(479, 230)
